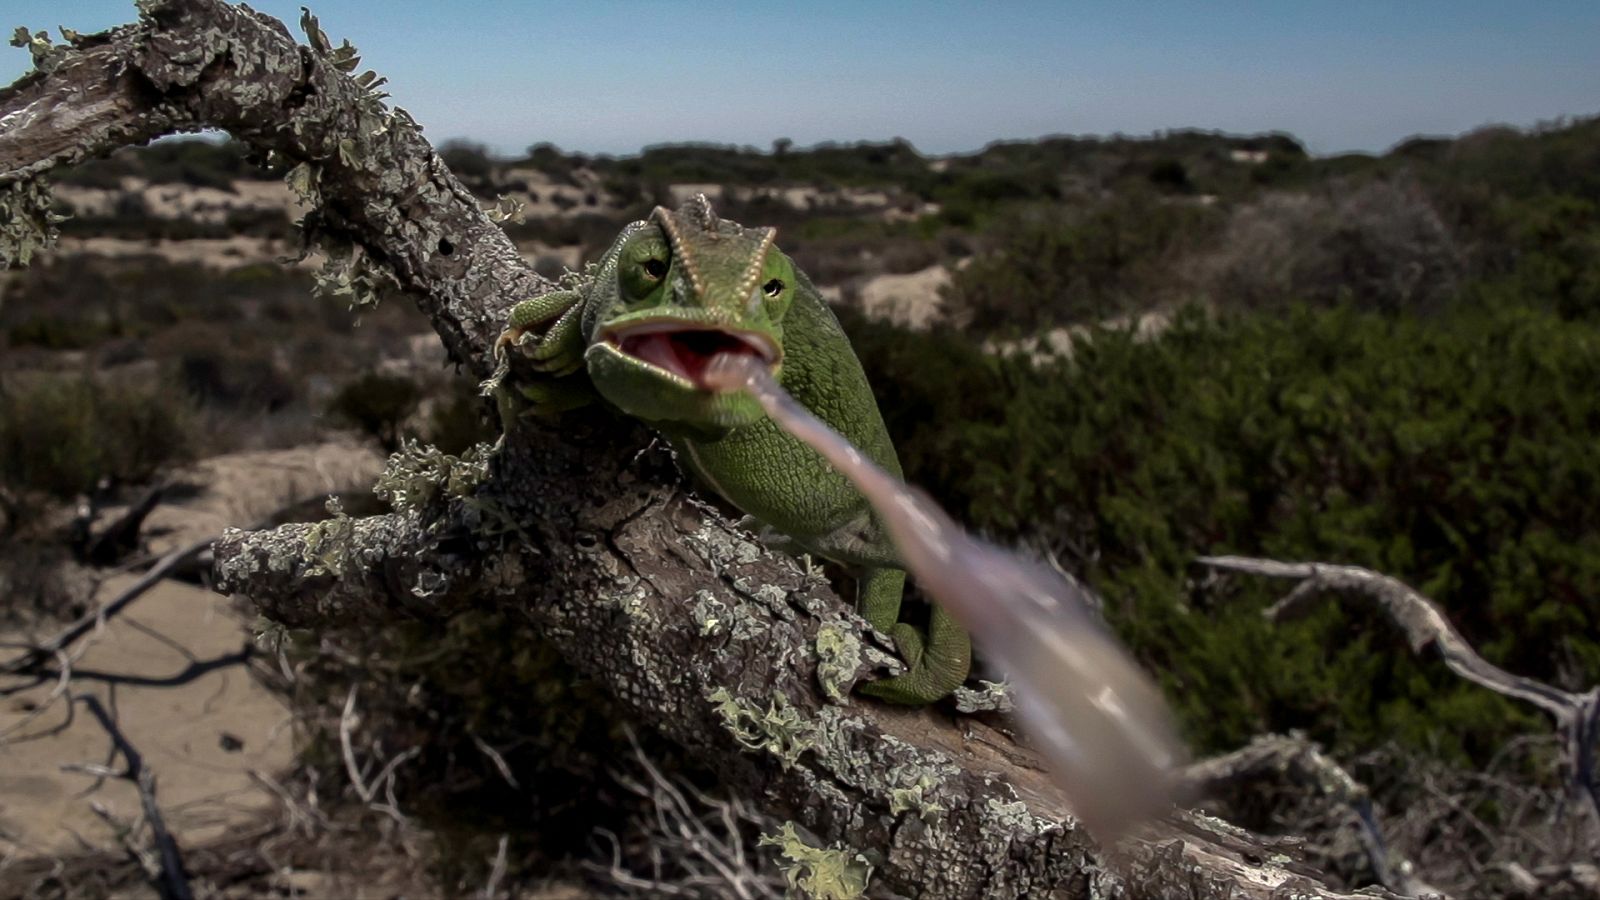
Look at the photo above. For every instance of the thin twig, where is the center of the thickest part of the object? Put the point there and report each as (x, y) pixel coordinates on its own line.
(495, 757)
(96, 618)
(497, 870)
(170, 880)
(63, 682)
(346, 723)
(1277, 755)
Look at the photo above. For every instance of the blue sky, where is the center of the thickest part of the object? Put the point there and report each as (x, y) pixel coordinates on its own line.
(612, 76)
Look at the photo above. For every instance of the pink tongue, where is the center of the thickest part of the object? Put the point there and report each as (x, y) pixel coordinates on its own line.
(659, 350)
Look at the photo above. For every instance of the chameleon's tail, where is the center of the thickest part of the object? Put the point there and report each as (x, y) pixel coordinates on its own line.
(939, 663)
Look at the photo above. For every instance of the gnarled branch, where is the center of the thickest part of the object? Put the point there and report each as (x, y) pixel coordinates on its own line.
(1577, 716)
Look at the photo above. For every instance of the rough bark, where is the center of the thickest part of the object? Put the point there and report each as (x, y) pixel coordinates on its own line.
(703, 635)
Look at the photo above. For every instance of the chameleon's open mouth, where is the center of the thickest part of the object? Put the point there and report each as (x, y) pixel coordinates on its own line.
(685, 350)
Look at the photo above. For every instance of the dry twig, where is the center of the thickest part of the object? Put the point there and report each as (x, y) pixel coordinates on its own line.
(1304, 763)
(96, 618)
(695, 849)
(166, 871)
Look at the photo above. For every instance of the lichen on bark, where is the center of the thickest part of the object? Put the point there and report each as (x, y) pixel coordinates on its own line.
(27, 223)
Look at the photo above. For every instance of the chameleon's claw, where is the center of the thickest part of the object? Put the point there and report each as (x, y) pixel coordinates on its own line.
(508, 338)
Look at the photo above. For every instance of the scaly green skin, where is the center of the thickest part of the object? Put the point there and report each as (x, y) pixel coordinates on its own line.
(687, 270)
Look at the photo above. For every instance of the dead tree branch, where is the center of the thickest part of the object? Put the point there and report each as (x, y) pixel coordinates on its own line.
(1577, 716)
(701, 634)
(1302, 762)
(166, 871)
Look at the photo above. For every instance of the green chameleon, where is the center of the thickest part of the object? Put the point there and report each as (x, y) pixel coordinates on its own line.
(672, 292)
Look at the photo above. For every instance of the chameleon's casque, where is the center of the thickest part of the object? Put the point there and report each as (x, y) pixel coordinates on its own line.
(669, 295)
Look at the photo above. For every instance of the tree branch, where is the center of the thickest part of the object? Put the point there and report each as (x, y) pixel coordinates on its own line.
(701, 634)
(1298, 760)
(1577, 716)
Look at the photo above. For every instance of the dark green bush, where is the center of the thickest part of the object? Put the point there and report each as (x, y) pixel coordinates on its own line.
(378, 404)
(231, 367)
(1456, 453)
(195, 161)
(458, 419)
(63, 438)
(1054, 265)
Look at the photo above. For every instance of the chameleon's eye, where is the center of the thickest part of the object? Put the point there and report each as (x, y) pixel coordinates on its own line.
(772, 288)
(643, 265)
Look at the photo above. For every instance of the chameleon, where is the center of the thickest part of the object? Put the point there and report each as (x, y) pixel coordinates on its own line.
(673, 292)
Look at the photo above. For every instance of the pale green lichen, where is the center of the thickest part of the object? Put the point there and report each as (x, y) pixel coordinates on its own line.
(418, 474)
(344, 57)
(304, 180)
(990, 696)
(507, 209)
(27, 224)
(709, 613)
(1015, 818)
(822, 874)
(838, 660)
(916, 778)
(46, 55)
(916, 797)
(430, 583)
(780, 729)
(349, 274)
(269, 636)
(372, 116)
(633, 605)
(330, 543)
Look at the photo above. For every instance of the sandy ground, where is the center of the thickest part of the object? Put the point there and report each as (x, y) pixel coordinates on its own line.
(1057, 343)
(169, 672)
(207, 205)
(202, 736)
(242, 489)
(911, 300)
(213, 253)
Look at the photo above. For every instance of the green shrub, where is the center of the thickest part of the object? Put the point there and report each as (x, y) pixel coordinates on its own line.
(63, 438)
(1456, 453)
(457, 420)
(1054, 265)
(230, 366)
(378, 404)
(195, 161)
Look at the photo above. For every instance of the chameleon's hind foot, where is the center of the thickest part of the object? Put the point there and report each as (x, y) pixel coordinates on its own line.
(938, 666)
(938, 663)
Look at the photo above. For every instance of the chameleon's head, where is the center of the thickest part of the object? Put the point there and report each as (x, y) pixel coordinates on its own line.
(685, 286)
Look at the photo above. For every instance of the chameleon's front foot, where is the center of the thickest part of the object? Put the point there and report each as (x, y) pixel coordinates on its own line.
(558, 350)
(544, 334)
(938, 664)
